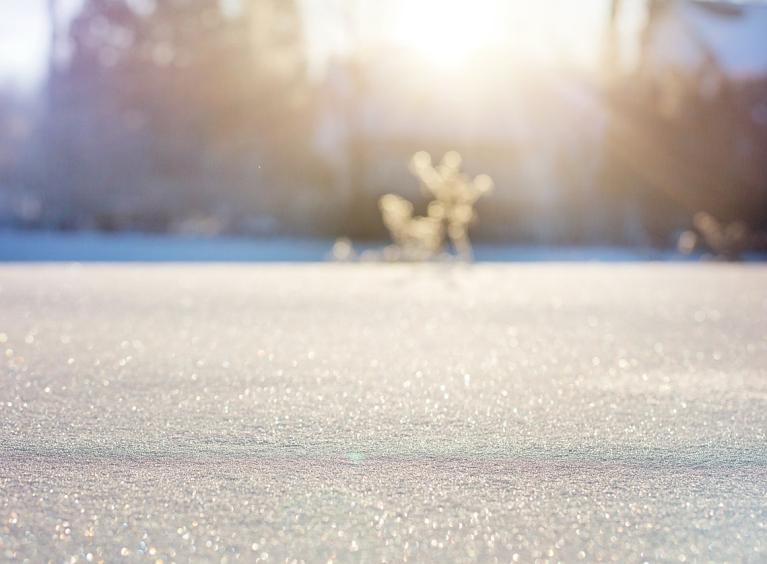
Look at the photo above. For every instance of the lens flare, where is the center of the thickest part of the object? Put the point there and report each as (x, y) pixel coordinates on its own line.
(448, 33)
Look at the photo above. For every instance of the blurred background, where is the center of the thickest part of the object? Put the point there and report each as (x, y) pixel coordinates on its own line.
(602, 122)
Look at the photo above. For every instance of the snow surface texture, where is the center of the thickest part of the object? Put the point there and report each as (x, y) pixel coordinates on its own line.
(383, 412)
(52, 246)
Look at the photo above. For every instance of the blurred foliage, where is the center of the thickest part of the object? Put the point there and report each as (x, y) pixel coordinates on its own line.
(719, 240)
(448, 215)
(684, 137)
(180, 109)
(199, 116)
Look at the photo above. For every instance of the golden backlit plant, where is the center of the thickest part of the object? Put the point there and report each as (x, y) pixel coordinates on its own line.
(725, 241)
(448, 216)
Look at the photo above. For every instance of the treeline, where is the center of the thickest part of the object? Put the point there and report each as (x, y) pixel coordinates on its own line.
(176, 114)
(198, 115)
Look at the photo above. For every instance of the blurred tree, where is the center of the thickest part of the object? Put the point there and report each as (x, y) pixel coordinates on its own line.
(176, 108)
(682, 137)
(48, 177)
(611, 49)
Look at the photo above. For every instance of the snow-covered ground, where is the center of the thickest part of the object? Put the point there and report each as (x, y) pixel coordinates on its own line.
(36, 246)
(371, 412)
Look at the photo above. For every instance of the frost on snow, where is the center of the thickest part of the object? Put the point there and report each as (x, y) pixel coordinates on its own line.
(382, 412)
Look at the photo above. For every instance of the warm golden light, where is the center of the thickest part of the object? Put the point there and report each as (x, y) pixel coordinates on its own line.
(447, 33)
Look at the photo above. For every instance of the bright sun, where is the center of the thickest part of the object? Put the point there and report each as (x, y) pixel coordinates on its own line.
(448, 32)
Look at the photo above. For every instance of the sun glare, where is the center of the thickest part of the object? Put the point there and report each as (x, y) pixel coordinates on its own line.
(447, 33)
